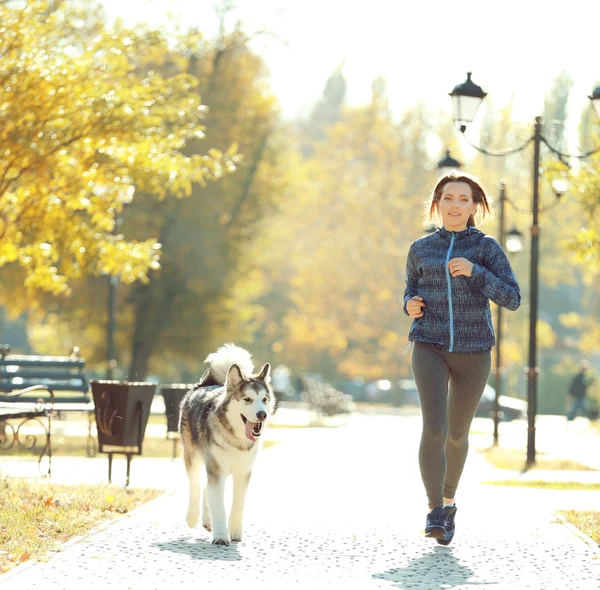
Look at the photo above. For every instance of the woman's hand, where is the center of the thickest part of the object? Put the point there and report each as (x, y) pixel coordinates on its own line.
(415, 307)
(460, 266)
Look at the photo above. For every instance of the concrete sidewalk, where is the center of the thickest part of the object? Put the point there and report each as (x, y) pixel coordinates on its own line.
(330, 508)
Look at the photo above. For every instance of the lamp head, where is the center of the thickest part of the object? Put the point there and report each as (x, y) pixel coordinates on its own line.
(466, 98)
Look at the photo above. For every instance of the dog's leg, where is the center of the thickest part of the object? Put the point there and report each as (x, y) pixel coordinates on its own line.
(215, 489)
(206, 522)
(240, 487)
(193, 463)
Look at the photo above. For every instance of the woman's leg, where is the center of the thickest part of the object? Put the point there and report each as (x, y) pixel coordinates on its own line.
(468, 376)
(431, 376)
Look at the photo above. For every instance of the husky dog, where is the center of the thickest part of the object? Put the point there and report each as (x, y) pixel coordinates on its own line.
(222, 418)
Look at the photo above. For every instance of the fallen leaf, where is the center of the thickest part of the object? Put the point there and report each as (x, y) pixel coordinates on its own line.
(24, 557)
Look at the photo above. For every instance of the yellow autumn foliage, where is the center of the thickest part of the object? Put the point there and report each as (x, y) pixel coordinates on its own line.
(84, 128)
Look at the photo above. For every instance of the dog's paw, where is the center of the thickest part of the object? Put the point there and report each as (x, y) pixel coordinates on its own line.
(192, 518)
(235, 530)
(206, 520)
(220, 539)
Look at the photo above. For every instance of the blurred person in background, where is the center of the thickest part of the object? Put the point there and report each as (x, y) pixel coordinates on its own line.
(578, 392)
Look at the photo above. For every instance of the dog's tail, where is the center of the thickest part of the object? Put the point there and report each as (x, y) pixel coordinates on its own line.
(221, 360)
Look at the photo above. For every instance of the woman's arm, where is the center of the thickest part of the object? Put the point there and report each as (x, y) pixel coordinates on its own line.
(412, 278)
(495, 277)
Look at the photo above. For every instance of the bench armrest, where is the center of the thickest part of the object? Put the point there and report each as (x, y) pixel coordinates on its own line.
(29, 390)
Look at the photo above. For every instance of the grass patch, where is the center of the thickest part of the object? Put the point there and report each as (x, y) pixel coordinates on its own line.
(588, 522)
(545, 485)
(76, 446)
(37, 516)
(161, 419)
(515, 460)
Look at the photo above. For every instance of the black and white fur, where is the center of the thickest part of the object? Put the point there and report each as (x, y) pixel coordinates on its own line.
(222, 418)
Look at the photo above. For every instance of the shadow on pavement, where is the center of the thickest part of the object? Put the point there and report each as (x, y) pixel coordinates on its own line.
(200, 549)
(438, 569)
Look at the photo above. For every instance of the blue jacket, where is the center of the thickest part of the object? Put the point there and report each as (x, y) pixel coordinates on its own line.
(457, 315)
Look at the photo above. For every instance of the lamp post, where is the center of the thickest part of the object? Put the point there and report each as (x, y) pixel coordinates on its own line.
(512, 244)
(111, 325)
(125, 196)
(466, 98)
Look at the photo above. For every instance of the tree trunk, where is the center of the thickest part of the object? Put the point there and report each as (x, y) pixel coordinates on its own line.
(153, 306)
(153, 303)
(258, 155)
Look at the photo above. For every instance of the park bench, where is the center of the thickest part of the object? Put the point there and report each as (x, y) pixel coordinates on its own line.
(38, 388)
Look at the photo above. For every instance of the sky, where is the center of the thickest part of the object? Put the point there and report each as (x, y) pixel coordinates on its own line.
(423, 48)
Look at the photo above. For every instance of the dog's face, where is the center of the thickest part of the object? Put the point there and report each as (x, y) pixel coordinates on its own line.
(250, 401)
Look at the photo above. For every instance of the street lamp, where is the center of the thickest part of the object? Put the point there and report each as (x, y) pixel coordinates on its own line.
(514, 241)
(560, 186)
(448, 163)
(125, 196)
(466, 98)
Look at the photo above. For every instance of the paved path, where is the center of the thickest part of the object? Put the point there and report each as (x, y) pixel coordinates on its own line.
(332, 508)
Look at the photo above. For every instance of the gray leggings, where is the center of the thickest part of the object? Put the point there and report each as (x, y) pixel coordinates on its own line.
(446, 418)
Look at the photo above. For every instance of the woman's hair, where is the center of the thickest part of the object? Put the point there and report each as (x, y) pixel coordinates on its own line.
(479, 196)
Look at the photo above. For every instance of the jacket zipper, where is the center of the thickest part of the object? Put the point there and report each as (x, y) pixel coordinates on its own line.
(450, 294)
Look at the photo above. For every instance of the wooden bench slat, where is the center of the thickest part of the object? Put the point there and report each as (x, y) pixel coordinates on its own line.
(32, 361)
(10, 377)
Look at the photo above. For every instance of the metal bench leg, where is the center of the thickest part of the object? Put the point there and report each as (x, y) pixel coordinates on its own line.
(91, 443)
(47, 450)
(49, 444)
(110, 456)
(129, 456)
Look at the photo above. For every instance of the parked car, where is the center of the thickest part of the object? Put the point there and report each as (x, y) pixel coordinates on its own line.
(408, 395)
(511, 408)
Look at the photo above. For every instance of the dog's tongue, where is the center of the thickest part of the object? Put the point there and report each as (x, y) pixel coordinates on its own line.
(249, 427)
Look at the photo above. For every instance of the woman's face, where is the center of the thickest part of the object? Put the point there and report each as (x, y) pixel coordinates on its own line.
(456, 205)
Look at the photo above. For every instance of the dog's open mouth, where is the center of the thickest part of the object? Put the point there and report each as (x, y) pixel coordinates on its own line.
(253, 429)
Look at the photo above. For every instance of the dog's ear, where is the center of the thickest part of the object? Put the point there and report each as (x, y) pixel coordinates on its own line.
(234, 377)
(265, 374)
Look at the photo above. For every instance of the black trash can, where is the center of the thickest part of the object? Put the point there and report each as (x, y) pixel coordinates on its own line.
(121, 409)
(173, 394)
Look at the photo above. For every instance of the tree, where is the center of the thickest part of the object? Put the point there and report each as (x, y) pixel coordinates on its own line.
(333, 253)
(328, 110)
(83, 129)
(159, 322)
